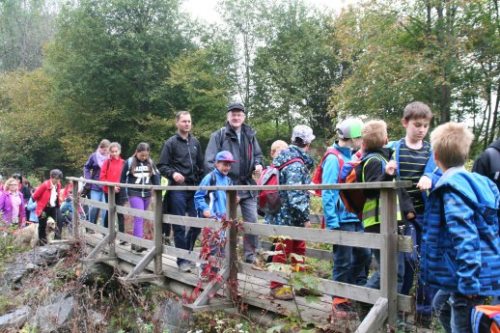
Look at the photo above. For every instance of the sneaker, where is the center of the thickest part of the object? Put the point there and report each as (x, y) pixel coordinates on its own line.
(307, 292)
(185, 267)
(122, 242)
(137, 249)
(342, 309)
(283, 293)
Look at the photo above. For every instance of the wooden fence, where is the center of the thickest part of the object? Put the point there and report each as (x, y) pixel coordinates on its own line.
(386, 300)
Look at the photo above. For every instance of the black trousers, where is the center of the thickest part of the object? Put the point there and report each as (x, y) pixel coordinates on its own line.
(42, 222)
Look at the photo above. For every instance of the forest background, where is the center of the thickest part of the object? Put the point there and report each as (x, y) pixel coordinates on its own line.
(74, 72)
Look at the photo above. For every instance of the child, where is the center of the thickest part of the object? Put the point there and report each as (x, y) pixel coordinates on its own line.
(48, 202)
(415, 163)
(110, 172)
(31, 208)
(139, 169)
(92, 170)
(349, 262)
(215, 206)
(295, 204)
(276, 148)
(376, 166)
(460, 244)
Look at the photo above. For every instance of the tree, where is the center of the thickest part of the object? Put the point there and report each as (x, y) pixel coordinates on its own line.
(25, 26)
(110, 61)
(296, 68)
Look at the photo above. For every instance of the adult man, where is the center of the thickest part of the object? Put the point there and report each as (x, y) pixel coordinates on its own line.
(240, 140)
(181, 162)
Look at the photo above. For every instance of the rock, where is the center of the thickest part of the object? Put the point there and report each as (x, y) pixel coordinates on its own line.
(172, 317)
(54, 316)
(14, 319)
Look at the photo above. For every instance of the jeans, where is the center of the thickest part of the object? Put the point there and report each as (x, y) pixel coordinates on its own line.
(349, 262)
(248, 207)
(97, 195)
(180, 203)
(374, 281)
(142, 204)
(454, 310)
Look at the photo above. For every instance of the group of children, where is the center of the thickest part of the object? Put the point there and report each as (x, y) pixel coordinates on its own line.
(450, 213)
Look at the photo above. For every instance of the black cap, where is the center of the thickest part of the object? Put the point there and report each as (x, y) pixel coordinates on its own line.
(235, 106)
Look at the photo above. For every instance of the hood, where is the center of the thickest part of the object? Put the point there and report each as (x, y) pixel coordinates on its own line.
(385, 152)
(471, 185)
(291, 153)
(495, 144)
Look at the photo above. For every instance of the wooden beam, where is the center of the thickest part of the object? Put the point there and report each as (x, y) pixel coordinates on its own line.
(111, 219)
(375, 318)
(343, 186)
(98, 248)
(347, 238)
(94, 203)
(135, 240)
(213, 306)
(211, 289)
(99, 259)
(158, 231)
(388, 254)
(76, 209)
(94, 227)
(142, 263)
(141, 278)
(145, 214)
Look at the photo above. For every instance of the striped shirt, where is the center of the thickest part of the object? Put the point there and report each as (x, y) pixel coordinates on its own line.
(411, 167)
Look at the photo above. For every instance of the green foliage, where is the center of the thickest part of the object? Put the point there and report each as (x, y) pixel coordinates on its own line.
(110, 61)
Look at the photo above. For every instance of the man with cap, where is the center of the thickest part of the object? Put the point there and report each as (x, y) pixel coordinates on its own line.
(294, 203)
(239, 139)
(181, 162)
(349, 262)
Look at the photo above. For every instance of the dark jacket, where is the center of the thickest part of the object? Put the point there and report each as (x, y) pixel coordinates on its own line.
(247, 154)
(139, 176)
(373, 171)
(488, 163)
(92, 170)
(182, 156)
(460, 245)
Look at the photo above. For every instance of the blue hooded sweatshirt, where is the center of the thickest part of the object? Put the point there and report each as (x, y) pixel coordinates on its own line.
(216, 199)
(460, 241)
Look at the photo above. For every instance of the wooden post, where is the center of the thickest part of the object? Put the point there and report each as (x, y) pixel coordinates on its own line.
(231, 254)
(389, 254)
(158, 232)
(76, 206)
(112, 220)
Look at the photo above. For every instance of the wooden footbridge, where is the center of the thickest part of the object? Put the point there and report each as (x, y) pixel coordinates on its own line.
(158, 263)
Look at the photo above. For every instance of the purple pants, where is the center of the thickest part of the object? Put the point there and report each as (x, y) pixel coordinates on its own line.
(142, 204)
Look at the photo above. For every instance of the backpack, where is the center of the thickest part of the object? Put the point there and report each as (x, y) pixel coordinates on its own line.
(354, 200)
(485, 319)
(268, 201)
(317, 177)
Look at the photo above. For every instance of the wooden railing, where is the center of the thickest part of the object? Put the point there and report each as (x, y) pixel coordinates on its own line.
(386, 300)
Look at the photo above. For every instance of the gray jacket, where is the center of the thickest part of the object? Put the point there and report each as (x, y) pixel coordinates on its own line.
(247, 154)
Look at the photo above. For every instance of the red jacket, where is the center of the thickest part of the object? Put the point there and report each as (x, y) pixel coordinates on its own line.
(111, 171)
(42, 196)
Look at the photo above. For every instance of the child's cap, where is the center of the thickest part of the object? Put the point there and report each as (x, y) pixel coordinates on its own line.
(350, 128)
(303, 132)
(224, 156)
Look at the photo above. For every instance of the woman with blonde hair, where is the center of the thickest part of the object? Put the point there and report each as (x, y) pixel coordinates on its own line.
(12, 203)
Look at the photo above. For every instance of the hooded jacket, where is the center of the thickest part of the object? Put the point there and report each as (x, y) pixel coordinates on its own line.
(247, 153)
(295, 203)
(488, 163)
(217, 199)
(460, 242)
(42, 196)
(139, 176)
(111, 171)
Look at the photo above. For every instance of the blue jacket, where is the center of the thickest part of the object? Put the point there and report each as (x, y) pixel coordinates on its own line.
(31, 207)
(217, 199)
(333, 206)
(461, 250)
(294, 204)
